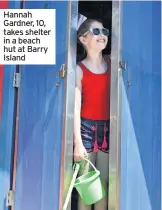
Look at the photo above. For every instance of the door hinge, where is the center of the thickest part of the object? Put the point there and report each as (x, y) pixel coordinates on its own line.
(16, 80)
(63, 71)
(122, 65)
(10, 198)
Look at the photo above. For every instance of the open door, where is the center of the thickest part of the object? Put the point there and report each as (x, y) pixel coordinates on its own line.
(39, 148)
(141, 106)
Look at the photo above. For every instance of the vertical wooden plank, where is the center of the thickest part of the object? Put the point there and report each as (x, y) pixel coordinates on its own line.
(115, 109)
(3, 5)
(145, 100)
(40, 124)
(68, 104)
(156, 104)
(7, 121)
(129, 54)
(141, 107)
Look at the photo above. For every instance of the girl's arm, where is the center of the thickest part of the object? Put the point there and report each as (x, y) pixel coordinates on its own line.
(79, 150)
(78, 94)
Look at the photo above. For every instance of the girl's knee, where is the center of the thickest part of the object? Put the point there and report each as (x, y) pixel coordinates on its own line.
(102, 165)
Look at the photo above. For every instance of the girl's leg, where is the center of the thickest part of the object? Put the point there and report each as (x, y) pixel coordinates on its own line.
(84, 169)
(102, 164)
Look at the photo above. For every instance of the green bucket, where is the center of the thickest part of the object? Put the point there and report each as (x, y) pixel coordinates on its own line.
(89, 186)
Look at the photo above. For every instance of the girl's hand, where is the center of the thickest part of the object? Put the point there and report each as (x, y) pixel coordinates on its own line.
(79, 152)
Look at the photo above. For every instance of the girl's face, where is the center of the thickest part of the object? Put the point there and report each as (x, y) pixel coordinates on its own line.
(96, 38)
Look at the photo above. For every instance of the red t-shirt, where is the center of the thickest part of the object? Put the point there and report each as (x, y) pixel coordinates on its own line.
(95, 93)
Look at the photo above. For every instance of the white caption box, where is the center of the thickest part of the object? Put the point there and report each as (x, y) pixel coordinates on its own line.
(28, 36)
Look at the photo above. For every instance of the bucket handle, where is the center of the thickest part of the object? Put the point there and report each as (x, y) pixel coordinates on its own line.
(97, 171)
(89, 163)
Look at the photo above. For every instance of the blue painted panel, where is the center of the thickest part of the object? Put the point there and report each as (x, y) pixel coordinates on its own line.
(40, 125)
(6, 127)
(141, 103)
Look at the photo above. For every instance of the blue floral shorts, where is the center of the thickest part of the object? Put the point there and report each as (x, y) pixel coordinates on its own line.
(95, 135)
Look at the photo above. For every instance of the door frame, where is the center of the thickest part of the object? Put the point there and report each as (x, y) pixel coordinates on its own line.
(68, 110)
(115, 110)
(115, 107)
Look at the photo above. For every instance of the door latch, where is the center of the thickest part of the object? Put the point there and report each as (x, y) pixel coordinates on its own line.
(63, 71)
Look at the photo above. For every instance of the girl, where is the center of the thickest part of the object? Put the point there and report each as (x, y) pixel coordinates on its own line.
(92, 108)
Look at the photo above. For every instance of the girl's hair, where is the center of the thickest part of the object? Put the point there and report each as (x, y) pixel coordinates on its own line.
(84, 27)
